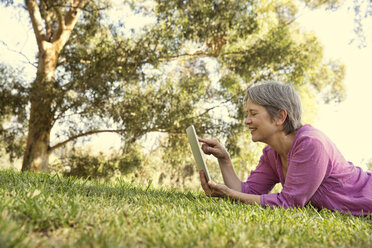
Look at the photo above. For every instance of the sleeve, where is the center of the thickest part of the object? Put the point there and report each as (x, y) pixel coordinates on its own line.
(262, 179)
(306, 170)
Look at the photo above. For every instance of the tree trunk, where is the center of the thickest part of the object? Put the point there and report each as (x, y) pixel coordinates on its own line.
(36, 155)
(51, 36)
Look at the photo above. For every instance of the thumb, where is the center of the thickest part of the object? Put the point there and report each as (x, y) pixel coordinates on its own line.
(211, 183)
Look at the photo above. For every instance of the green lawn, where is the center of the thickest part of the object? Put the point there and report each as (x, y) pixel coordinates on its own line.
(40, 210)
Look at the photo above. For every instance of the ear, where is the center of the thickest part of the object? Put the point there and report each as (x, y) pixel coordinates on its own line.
(281, 117)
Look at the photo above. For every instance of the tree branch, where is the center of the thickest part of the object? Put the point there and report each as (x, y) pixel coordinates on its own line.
(72, 15)
(48, 27)
(63, 111)
(198, 54)
(82, 135)
(79, 7)
(36, 20)
(216, 106)
(66, 25)
(61, 24)
(20, 53)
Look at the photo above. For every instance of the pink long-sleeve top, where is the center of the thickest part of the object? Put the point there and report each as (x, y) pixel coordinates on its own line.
(317, 173)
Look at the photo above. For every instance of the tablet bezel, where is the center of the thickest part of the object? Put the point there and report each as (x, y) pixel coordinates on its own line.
(196, 150)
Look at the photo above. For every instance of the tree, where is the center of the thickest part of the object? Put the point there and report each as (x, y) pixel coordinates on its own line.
(13, 101)
(94, 75)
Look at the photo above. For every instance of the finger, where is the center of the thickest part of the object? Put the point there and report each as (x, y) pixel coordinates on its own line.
(212, 184)
(212, 150)
(209, 142)
(202, 176)
(213, 187)
(206, 149)
(216, 189)
(217, 152)
(204, 183)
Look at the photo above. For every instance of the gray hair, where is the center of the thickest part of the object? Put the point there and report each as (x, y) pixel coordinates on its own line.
(275, 96)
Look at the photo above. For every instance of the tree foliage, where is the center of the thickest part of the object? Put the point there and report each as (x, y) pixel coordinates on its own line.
(13, 114)
(190, 65)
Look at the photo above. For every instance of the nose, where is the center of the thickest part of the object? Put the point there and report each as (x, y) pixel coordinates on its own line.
(247, 121)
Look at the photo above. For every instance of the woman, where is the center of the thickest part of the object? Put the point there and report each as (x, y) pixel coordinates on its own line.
(307, 164)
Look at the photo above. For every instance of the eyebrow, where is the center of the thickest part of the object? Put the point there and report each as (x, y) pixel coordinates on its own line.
(251, 109)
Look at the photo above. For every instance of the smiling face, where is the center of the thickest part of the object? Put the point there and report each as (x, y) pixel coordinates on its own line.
(263, 128)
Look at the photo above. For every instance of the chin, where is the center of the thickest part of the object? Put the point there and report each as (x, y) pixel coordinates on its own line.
(254, 139)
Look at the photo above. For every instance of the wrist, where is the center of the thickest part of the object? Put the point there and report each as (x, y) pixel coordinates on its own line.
(232, 194)
(225, 161)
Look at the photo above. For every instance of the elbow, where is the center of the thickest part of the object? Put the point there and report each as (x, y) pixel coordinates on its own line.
(300, 204)
(296, 202)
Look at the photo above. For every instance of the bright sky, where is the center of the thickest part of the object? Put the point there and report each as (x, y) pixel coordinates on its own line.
(347, 124)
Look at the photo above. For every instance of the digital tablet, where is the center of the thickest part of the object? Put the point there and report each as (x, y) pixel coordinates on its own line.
(196, 150)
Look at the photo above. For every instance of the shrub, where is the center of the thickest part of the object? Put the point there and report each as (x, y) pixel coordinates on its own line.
(84, 164)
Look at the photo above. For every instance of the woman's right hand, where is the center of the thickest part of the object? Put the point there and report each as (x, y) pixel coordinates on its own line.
(213, 147)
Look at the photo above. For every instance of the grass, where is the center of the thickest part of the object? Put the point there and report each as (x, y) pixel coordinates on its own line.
(41, 210)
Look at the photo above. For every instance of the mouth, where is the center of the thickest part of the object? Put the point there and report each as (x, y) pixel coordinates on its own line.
(252, 130)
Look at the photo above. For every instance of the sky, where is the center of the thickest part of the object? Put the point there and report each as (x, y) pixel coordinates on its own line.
(347, 123)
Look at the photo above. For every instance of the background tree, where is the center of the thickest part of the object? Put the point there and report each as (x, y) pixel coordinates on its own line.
(13, 113)
(191, 64)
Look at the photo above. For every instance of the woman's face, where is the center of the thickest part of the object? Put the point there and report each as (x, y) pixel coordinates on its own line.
(260, 124)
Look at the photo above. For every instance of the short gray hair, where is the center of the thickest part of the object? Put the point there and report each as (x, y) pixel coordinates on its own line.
(275, 96)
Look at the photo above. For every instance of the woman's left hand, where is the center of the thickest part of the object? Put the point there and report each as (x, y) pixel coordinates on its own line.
(212, 189)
